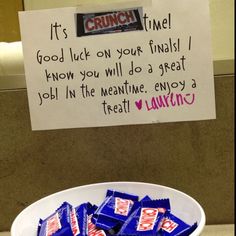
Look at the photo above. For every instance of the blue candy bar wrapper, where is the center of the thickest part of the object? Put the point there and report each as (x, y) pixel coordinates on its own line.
(144, 202)
(146, 219)
(39, 226)
(191, 229)
(114, 210)
(93, 230)
(146, 198)
(173, 226)
(78, 219)
(91, 209)
(104, 222)
(57, 224)
(121, 195)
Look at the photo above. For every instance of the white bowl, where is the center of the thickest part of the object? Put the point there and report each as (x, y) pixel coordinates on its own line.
(182, 205)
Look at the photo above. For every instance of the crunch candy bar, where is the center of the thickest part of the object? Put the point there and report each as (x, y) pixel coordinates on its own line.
(120, 214)
(79, 219)
(58, 223)
(114, 210)
(108, 22)
(173, 226)
(146, 219)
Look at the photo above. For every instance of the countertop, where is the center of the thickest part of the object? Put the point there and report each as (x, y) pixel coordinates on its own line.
(209, 230)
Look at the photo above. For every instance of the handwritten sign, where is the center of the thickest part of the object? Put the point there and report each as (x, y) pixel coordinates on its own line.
(163, 73)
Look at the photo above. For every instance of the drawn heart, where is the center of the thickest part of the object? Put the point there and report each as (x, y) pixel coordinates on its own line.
(139, 104)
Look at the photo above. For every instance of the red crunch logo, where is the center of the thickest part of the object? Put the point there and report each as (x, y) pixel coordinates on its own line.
(107, 21)
(122, 206)
(92, 230)
(169, 225)
(161, 210)
(147, 219)
(74, 223)
(53, 225)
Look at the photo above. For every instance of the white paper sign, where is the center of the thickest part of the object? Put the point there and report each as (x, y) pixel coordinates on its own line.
(163, 73)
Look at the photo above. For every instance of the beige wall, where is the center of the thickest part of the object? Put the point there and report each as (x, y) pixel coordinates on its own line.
(9, 24)
(194, 157)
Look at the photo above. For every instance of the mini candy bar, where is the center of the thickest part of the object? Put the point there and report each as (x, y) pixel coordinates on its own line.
(58, 223)
(113, 193)
(173, 226)
(163, 203)
(91, 209)
(74, 222)
(108, 22)
(78, 219)
(115, 209)
(91, 227)
(93, 230)
(105, 223)
(146, 219)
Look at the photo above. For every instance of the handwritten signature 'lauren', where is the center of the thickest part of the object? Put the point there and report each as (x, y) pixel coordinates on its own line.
(165, 101)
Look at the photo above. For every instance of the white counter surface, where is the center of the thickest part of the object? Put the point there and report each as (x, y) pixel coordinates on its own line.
(210, 230)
